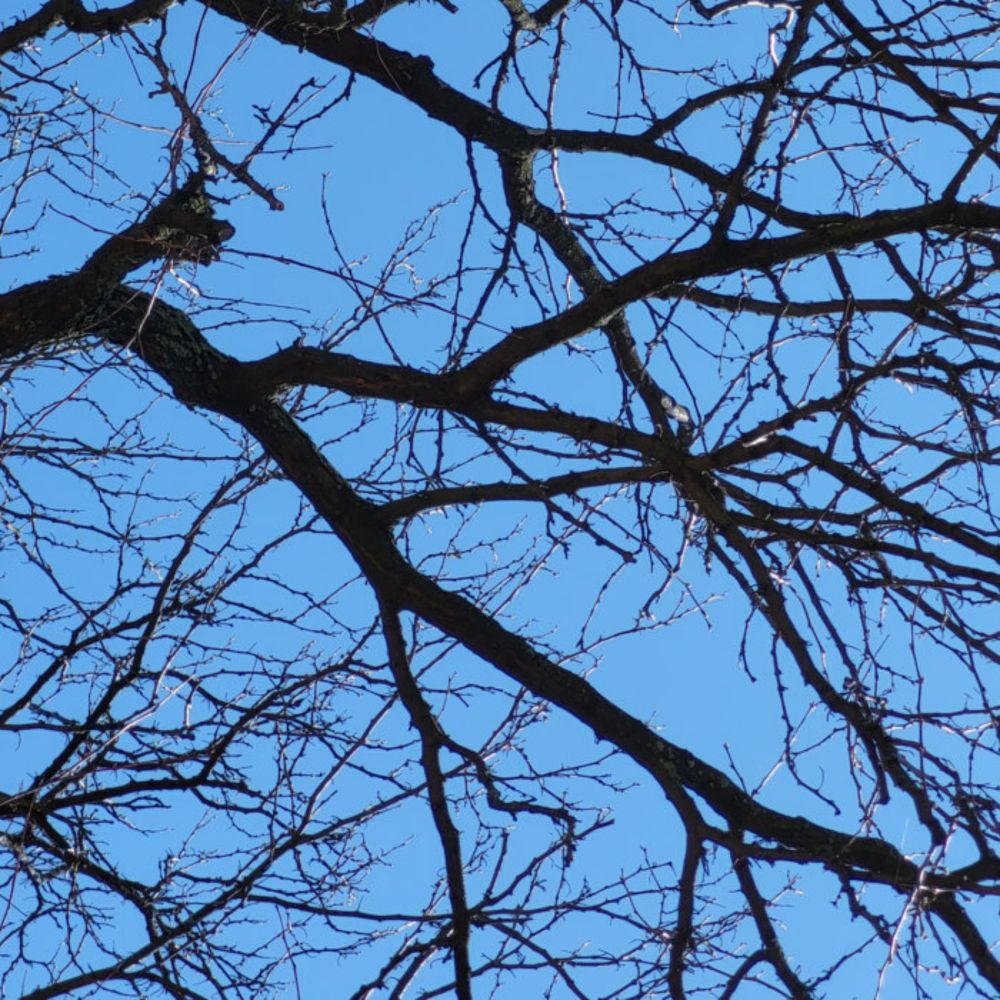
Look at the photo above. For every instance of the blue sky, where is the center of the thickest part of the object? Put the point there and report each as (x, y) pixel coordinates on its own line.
(692, 667)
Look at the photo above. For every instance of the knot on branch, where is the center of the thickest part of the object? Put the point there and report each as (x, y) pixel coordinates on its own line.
(184, 226)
